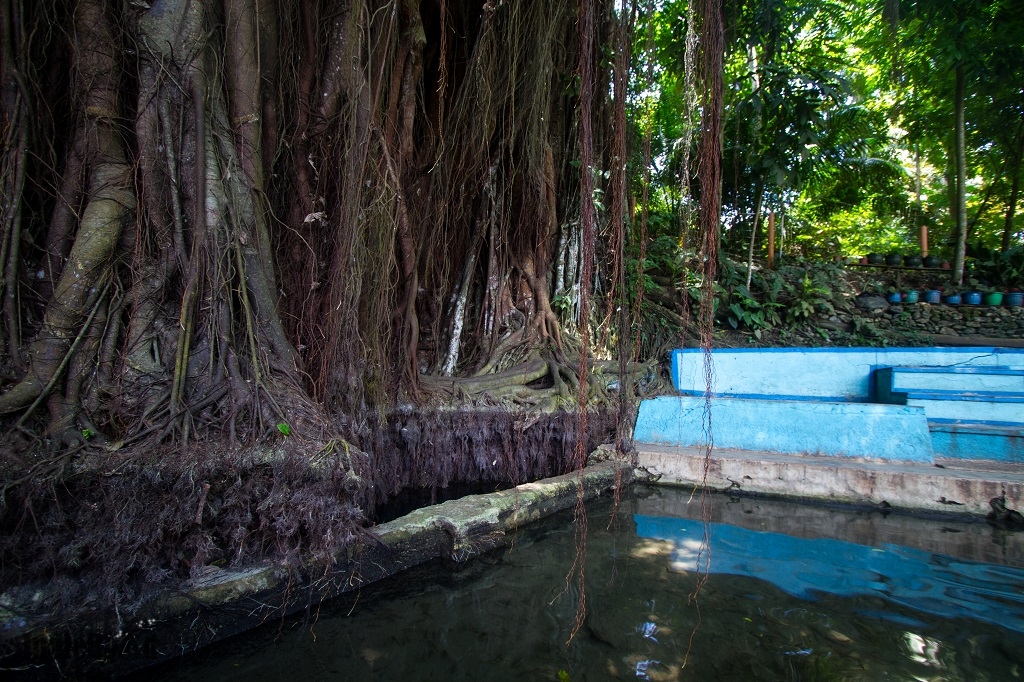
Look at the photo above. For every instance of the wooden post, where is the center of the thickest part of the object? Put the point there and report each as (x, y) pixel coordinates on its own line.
(771, 240)
(924, 241)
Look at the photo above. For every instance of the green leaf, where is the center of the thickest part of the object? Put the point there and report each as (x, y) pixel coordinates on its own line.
(284, 429)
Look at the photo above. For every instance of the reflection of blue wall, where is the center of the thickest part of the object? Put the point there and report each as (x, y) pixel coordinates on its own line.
(932, 583)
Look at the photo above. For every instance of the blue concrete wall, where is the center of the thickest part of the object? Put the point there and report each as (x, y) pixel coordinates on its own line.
(1001, 444)
(835, 374)
(889, 432)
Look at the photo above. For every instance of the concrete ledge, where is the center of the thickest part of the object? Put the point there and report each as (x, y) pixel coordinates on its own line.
(100, 642)
(958, 379)
(970, 408)
(978, 441)
(889, 432)
(902, 485)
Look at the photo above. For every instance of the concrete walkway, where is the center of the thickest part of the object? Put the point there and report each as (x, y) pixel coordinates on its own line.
(948, 485)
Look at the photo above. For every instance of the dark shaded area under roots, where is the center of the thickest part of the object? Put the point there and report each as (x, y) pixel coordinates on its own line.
(430, 450)
(423, 457)
(114, 530)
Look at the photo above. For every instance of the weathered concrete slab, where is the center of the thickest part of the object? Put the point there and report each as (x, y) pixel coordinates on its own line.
(900, 484)
(889, 432)
(100, 641)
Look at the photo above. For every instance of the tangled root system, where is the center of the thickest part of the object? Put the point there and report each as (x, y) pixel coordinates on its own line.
(121, 530)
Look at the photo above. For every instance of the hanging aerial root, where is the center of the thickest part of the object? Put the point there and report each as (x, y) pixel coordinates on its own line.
(63, 363)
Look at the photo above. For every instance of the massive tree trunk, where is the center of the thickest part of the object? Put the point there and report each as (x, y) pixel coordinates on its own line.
(267, 216)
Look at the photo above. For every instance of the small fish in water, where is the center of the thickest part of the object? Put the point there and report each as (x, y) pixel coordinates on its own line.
(800, 652)
(648, 630)
(643, 666)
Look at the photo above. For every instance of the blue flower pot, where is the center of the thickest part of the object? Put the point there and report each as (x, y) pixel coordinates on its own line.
(893, 298)
(953, 299)
(973, 298)
(911, 297)
(932, 296)
(1015, 299)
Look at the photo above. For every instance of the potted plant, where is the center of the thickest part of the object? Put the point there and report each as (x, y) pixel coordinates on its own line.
(993, 298)
(894, 296)
(932, 296)
(911, 296)
(931, 261)
(953, 298)
(945, 265)
(1015, 299)
(912, 261)
(893, 258)
(972, 298)
(875, 259)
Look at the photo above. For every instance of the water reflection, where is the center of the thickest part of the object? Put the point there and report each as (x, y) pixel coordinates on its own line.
(835, 599)
(804, 568)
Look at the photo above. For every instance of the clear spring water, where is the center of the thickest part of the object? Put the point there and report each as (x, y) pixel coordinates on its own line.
(793, 592)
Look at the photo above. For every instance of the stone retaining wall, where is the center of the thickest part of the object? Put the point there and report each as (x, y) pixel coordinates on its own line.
(961, 320)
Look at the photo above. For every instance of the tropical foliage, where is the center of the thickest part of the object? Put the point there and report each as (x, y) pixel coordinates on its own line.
(841, 117)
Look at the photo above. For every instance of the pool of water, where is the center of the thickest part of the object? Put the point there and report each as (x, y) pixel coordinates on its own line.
(793, 592)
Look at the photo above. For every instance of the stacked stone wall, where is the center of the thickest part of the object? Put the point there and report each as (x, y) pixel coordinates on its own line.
(962, 320)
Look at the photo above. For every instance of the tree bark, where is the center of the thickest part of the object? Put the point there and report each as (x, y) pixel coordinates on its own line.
(110, 202)
(758, 203)
(1011, 203)
(961, 173)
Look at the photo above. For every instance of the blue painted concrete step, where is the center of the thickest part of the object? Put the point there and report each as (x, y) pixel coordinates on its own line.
(970, 408)
(966, 394)
(961, 379)
(973, 441)
(886, 432)
(963, 402)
